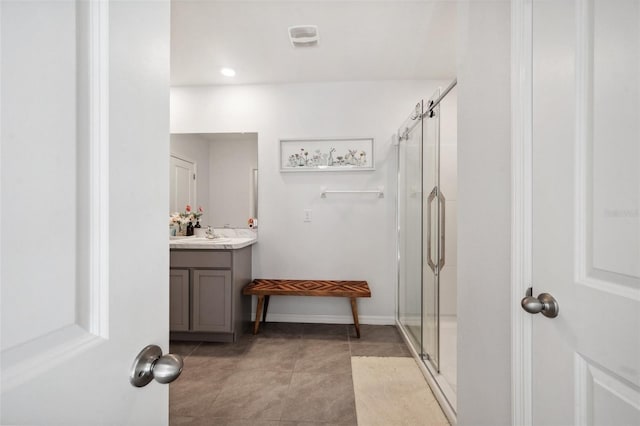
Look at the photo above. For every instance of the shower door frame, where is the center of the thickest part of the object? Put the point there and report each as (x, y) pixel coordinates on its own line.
(431, 238)
(409, 336)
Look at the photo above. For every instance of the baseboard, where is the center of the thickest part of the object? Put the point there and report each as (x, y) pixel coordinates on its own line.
(329, 319)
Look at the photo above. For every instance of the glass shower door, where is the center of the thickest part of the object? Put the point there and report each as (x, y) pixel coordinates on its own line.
(410, 227)
(427, 273)
(431, 233)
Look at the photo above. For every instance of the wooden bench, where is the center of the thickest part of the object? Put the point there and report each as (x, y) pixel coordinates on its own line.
(266, 288)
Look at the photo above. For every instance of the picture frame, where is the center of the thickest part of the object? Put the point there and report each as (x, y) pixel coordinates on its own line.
(326, 155)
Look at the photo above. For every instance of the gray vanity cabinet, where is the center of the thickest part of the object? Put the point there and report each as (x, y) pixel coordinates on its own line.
(206, 300)
(179, 299)
(212, 310)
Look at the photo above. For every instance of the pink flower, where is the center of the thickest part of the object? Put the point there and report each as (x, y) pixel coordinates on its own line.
(200, 209)
(188, 208)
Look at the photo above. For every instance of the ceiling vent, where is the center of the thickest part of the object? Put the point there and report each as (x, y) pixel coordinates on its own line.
(304, 35)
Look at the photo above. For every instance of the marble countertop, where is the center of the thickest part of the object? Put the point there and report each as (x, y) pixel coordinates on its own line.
(226, 239)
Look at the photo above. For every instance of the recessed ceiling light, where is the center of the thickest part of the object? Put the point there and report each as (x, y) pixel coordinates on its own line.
(227, 72)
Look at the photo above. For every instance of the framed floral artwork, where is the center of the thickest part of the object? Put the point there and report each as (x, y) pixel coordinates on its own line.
(324, 155)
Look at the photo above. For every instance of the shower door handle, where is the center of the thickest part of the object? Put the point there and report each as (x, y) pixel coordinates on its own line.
(436, 193)
(432, 196)
(442, 201)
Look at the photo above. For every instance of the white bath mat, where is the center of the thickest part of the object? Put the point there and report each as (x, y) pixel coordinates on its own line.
(393, 392)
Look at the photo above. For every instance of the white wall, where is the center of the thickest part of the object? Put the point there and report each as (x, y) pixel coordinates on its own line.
(484, 362)
(351, 236)
(195, 148)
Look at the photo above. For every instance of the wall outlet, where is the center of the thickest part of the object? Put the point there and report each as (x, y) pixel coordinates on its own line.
(307, 215)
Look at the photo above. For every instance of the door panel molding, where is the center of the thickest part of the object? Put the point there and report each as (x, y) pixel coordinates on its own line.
(521, 198)
(605, 281)
(99, 168)
(586, 273)
(25, 361)
(593, 383)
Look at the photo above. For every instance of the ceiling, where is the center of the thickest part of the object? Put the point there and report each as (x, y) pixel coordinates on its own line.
(359, 40)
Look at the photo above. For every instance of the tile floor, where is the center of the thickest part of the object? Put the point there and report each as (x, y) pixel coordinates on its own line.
(289, 374)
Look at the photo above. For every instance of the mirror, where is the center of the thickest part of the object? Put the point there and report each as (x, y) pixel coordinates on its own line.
(218, 172)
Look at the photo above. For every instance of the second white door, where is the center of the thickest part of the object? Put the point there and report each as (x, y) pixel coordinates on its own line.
(586, 229)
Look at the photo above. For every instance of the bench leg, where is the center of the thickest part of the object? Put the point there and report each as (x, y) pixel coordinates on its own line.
(266, 306)
(256, 325)
(354, 311)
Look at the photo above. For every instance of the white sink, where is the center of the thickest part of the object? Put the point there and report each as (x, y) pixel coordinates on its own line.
(214, 240)
(221, 243)
(185, 240)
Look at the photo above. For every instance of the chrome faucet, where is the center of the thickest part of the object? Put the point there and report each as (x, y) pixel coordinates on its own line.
(209, 233)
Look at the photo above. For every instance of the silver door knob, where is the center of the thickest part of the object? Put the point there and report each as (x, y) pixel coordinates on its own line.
(151, 364)
(544, 303)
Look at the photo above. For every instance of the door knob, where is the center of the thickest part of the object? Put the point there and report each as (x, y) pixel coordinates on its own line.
(151, 364)
(544, 303)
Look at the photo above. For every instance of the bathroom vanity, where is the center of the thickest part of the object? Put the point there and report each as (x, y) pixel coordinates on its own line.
(206, 282)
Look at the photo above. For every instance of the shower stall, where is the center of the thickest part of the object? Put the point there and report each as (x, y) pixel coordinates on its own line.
(426, 215)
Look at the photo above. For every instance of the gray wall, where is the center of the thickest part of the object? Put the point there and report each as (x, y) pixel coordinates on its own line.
(484, 380)
(232, 159)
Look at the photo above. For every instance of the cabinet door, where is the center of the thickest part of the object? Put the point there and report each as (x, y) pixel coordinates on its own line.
(179, 300)
(211, 299)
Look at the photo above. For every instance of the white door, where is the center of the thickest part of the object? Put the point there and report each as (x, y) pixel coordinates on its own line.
(182, 185)
(586, 232)
(85, 141)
